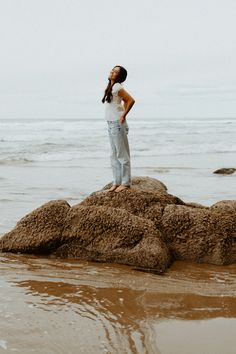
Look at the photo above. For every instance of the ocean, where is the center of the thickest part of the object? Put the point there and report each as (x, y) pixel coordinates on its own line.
(68, 159)
(72, 306)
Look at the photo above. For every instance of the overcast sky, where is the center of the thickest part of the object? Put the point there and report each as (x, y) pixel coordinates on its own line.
(56, 56)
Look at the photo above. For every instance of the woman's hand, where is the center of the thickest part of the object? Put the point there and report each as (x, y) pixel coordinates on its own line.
(122, 118)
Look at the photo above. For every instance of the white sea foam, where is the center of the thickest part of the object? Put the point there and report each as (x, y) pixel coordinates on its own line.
(3, 344)
(61, 140)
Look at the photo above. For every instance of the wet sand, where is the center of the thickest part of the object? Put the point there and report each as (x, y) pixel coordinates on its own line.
(55, 306)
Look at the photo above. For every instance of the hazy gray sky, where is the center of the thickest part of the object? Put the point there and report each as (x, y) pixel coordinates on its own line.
(56, 56)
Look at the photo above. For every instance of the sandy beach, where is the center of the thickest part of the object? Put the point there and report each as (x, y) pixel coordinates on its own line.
(59, 306)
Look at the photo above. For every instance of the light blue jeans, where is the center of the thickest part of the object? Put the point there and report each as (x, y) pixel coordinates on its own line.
(120, 153)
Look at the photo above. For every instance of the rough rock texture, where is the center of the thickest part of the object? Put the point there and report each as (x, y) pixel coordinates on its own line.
(39, 231)
(143, 226)
(106, 234)
(225, 171)
(201, 234)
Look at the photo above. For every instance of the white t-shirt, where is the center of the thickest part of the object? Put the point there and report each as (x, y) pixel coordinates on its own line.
(114, 109)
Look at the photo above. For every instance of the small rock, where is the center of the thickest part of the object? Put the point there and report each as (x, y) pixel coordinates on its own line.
(225, 171)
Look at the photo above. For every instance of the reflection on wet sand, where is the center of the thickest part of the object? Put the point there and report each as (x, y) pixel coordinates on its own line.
(114, 308)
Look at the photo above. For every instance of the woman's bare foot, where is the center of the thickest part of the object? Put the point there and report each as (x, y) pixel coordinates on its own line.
(112, 188)
(121, 188)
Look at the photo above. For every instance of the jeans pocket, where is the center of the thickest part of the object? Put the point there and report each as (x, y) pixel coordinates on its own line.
(115, 128)
(126, 128)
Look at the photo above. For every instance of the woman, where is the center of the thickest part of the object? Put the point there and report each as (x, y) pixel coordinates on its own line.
(118, 104)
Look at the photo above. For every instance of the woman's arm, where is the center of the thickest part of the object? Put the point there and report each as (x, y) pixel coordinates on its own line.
(128, 103)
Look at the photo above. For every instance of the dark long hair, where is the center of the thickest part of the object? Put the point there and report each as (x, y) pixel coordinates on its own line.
(121, 78)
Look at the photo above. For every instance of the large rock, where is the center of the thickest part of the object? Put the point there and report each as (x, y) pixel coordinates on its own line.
(143, 226)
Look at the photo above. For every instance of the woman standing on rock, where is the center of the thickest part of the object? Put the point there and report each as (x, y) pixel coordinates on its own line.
(118, 104)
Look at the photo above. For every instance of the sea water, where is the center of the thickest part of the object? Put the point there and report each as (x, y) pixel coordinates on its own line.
(41, 160)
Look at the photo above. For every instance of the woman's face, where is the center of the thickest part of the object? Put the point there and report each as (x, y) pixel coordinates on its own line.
(114, 73)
